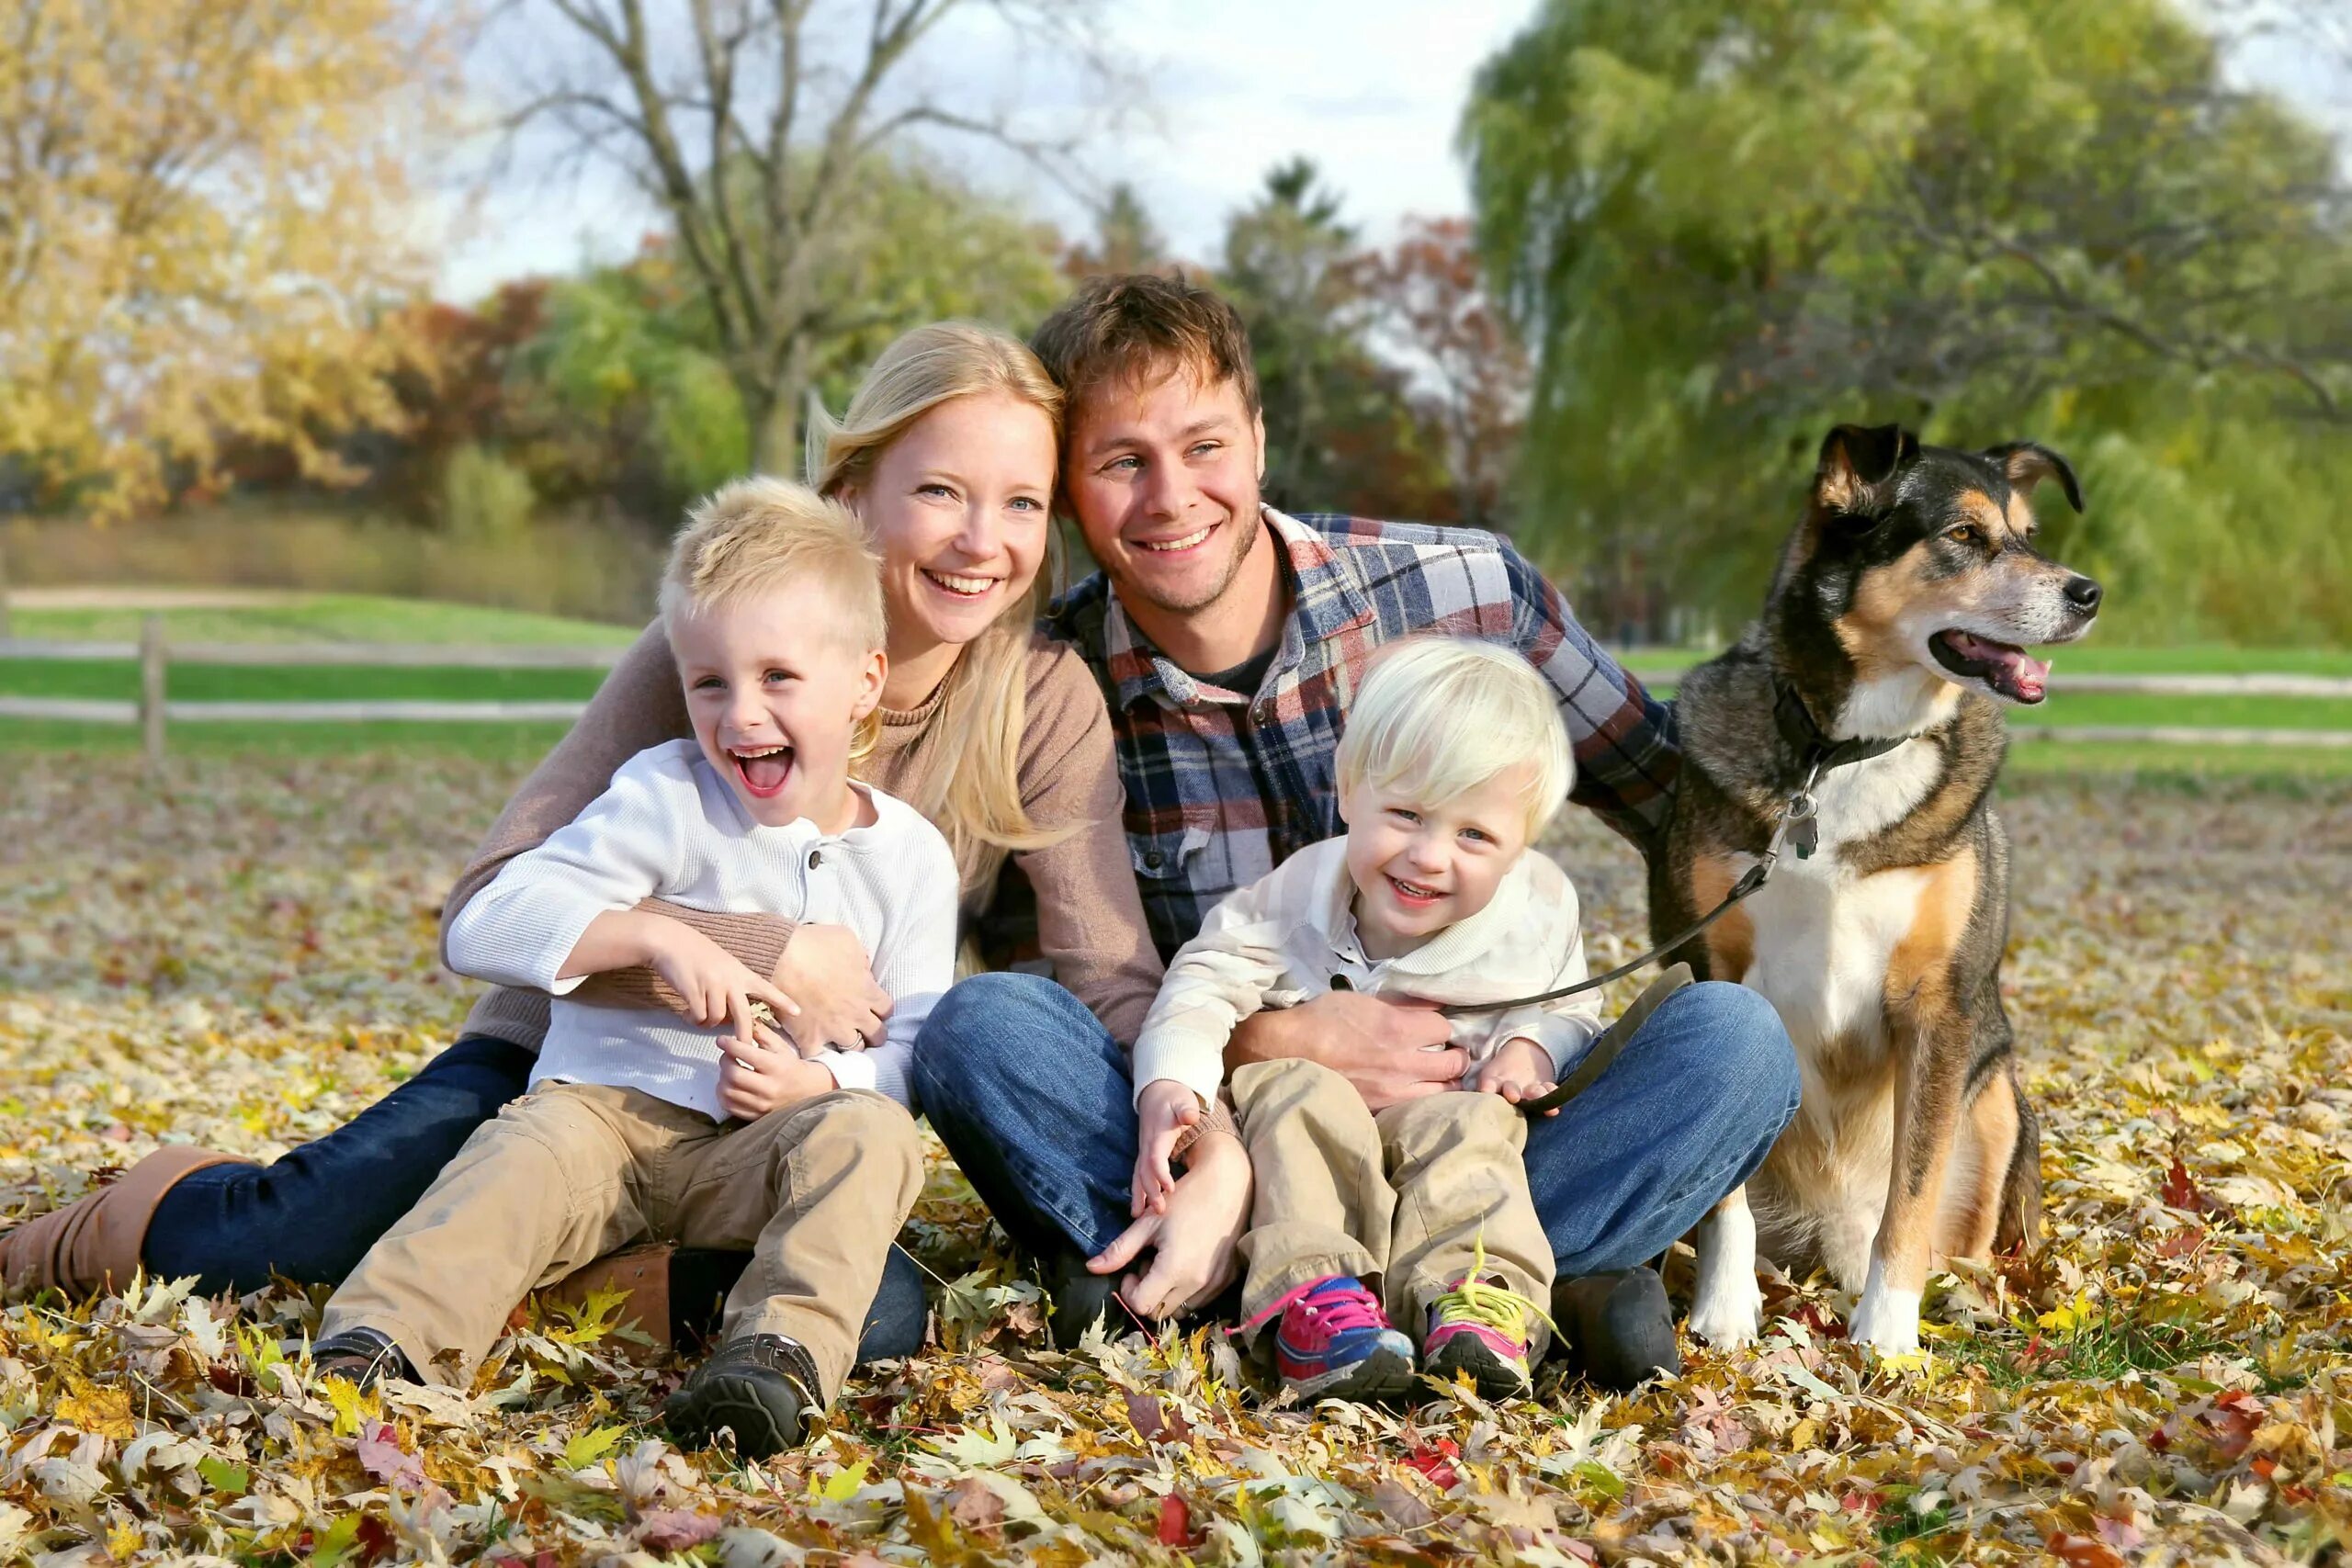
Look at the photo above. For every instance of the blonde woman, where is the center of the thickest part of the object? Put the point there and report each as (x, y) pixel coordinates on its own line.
(947, 454)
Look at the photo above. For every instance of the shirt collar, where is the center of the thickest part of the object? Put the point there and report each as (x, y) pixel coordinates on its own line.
(1325, 601)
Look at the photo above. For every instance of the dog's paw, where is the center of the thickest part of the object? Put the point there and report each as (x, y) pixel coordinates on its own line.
(1887, 1320)
(1729, 1313)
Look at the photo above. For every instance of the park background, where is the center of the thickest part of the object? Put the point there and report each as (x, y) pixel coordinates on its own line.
(410, 328)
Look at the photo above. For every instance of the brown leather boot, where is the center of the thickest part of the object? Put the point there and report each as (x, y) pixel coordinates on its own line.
(643, 1272)
(94, 1244)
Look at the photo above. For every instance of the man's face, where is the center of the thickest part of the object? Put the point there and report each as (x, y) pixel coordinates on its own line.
(1163, 476)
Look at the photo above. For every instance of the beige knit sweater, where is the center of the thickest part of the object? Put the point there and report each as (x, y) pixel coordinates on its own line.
(1090, 919)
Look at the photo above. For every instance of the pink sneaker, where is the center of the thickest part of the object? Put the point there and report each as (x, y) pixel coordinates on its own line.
(1335, 1342)
(1482, 1328)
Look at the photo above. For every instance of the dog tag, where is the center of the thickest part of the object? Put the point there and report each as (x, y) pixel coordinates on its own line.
(1803, 825)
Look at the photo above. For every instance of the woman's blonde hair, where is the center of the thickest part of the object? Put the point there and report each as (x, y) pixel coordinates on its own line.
(1437, 715)
(757, 534)
(973, 790)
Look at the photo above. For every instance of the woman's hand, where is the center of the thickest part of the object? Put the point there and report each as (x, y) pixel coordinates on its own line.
(1193, 1241)
(825, 968)
(1162, 1112)
(1520, 1072)
(767, 1075)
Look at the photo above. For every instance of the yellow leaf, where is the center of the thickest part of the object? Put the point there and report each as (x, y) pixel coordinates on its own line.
(104, 1411)
(124, 1540)
(351, 1406)
(842, 1486)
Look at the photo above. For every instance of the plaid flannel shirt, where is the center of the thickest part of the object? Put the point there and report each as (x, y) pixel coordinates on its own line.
(1222, 787)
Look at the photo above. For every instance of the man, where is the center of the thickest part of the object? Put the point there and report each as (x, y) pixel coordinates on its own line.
(1228, 639)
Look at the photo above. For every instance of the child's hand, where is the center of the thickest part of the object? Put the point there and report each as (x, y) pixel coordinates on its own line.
(714, 986)
(1162, 1112)
(767, 1075)
(1520, 1071)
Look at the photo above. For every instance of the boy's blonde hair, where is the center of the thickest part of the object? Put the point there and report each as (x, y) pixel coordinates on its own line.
(972, 792)
(757, 534)
(1436, 716)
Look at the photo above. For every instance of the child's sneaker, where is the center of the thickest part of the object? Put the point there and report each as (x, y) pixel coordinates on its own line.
(762, 1388)
(1335, 1342)
(1480, 1328)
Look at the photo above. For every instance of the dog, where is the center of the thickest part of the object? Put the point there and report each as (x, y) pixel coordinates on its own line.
(1861, 717)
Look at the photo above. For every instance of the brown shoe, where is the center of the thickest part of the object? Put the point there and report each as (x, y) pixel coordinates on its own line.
(643, 1272)
(94, 1244)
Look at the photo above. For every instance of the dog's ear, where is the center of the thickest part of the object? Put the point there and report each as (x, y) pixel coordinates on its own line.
(1858, 459)
(2028, 463)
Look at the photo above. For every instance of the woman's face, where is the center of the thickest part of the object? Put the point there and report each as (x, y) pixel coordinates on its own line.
(959, 507)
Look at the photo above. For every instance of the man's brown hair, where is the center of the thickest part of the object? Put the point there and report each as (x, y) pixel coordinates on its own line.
(1127, 327)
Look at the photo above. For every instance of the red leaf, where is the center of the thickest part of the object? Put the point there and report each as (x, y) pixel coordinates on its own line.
(977, 1507)
(668, 1530)
(1175, 1520)
(1152, 1421)
(2181, 1191)
(382, 1456)
(2083, 1551)
(2182, 1242)
(1435, 1461)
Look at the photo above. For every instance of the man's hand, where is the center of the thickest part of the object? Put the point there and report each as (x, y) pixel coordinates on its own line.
(1391, 1051)
(1193, 1241)
(767, 1075)
(713, 987)
(1520, 1072)
(1162, 1112)
(825, 968)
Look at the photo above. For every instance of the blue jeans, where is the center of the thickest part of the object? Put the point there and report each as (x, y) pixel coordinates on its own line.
(1031, 1095)
(311, 1216)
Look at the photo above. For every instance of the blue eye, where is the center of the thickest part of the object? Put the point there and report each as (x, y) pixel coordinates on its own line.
(1403, 814)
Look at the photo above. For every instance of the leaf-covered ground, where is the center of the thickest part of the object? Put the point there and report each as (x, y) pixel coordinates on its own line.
(242, 955)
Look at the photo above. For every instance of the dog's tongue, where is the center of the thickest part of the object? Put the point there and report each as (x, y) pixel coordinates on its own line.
(765, 774)
(2013, 669)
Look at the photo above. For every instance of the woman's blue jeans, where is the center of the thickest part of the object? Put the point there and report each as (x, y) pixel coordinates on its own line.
(1032, 1096)
(313, 1213)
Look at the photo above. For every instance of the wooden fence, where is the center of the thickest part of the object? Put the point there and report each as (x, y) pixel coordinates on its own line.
(153, 712)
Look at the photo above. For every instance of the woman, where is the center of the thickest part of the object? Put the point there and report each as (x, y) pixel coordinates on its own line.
(948, 453)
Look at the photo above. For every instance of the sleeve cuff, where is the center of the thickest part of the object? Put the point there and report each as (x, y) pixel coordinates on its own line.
(1195, 1061)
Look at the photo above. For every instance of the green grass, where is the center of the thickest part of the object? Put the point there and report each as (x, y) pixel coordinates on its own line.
(302, 682)
(326, 617)
(2100, 1351)
(520, 745)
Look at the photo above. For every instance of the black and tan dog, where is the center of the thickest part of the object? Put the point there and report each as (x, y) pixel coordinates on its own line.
(1895, 628)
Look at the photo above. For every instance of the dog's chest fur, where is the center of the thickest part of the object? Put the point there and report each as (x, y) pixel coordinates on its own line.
(1824, 934)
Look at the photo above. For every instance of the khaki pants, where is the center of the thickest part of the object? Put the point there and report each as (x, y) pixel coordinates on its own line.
(1399, 1199)
(571, 1171)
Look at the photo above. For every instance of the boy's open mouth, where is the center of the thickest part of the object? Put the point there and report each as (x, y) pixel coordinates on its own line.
(2006, 667)
(764, 771)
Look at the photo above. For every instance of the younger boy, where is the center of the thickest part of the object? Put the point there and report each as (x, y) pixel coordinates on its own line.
(635, 1124)
(1452, 760)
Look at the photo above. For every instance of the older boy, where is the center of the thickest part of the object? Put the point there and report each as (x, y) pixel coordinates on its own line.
(636, 1122)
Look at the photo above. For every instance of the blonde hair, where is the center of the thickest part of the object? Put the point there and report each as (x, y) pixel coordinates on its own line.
(972, 792)
(758, 535)
(1436, 716)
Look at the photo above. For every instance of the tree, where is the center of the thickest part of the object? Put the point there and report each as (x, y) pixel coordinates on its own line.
(1429, 302)
(1125, 239)
(1341, 432)
(755, 136)
(1725, 227)
(204, 209)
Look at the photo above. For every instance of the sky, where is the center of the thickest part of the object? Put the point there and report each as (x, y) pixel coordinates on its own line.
(1371, 90)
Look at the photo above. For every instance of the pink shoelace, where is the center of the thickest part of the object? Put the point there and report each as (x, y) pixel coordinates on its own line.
(1336, 1312)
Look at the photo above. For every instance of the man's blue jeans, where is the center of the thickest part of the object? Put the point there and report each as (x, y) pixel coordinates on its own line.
(313, 1214)
(1031, 1095)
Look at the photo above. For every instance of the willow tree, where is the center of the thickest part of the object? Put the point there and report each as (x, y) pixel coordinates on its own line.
(1726, 226)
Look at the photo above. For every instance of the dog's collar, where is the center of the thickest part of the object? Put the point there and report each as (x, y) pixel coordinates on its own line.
(1816, 753)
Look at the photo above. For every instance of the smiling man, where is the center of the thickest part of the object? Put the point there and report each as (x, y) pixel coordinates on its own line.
(1228, 639)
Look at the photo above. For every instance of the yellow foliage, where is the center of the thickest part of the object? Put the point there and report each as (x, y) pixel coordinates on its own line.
(205, 207)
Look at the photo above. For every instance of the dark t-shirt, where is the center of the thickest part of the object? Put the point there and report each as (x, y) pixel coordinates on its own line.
(1244, 677)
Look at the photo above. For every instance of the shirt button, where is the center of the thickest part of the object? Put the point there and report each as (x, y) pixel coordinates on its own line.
(1153, 860)
(1341, 982)
(815, 859)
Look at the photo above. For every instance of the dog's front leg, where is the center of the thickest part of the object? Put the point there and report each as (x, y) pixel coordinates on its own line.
(1729, 1308)
(1931, 1075)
